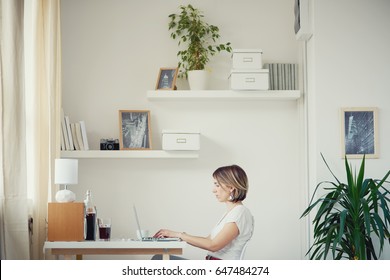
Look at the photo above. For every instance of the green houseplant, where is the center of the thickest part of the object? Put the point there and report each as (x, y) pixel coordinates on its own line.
(200, 38)
(349, 215)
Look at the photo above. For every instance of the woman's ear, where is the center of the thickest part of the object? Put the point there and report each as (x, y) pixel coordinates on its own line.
(232, 196)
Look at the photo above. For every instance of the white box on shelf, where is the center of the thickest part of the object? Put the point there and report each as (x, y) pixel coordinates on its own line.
(247, 59)
(173, 140)
(249, 80)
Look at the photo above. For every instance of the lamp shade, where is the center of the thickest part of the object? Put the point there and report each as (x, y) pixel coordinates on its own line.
(66, 171)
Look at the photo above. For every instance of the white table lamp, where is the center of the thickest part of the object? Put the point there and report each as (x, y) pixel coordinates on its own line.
(66, 173)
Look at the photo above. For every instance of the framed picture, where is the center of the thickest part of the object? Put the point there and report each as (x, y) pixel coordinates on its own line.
(359, 132)
(166, 79)
(302, 20)
(134, 127)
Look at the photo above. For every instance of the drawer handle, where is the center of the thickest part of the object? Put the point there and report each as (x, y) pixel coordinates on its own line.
(250, 80)
(247, 59)
(181, 140)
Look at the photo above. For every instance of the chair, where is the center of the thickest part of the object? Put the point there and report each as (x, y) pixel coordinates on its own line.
(244, 250)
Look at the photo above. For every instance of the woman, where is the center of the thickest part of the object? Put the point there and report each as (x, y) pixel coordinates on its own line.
(234, 229)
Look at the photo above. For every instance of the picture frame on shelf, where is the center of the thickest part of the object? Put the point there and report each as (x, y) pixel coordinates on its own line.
(166, 79)
(359, 132)
(135, 130)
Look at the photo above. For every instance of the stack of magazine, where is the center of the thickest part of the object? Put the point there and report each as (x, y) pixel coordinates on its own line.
(73, 135)
(283, 76)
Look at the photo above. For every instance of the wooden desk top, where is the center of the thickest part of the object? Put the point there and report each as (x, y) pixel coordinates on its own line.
(113, 244)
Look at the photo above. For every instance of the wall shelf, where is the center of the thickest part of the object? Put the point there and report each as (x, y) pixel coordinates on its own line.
(130, 154)
(177, 95)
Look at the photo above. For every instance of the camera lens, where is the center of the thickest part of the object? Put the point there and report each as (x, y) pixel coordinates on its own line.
(109, 146)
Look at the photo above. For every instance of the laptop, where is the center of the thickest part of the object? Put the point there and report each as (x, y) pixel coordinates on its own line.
(148, 238)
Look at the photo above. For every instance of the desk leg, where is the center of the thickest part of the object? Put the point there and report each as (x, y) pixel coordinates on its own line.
(69, 257)
(165, 255)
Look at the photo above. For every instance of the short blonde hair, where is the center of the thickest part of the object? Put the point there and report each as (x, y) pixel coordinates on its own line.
(235, 177)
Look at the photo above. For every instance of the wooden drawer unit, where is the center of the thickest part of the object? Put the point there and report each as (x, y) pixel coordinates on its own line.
(65, 221)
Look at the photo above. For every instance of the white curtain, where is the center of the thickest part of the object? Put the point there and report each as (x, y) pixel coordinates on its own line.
(30, 100)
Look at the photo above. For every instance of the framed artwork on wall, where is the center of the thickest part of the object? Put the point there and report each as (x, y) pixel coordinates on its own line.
(359, 132)
(166, 79)
(134, 127)
(302, 26)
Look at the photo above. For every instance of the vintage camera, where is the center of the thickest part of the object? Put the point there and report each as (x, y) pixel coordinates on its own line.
(109, 144)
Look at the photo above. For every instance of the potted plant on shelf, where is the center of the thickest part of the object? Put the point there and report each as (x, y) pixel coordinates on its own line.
(190, 28)
(349, 215)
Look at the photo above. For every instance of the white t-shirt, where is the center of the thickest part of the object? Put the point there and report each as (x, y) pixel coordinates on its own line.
(242, 217)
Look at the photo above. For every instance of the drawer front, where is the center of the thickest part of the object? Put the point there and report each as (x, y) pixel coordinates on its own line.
(247, 61)
(249, 81)
(65, 221)
(180, 142)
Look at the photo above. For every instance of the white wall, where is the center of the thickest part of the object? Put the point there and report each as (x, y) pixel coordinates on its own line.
(349, 67)
(112, 51)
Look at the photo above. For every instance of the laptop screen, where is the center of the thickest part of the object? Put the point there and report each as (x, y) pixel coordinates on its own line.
(138, 224)
(146, 238)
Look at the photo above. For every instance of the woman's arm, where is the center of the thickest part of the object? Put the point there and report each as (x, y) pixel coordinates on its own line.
(224, 237)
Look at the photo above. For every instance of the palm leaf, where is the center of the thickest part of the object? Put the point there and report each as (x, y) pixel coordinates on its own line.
(323, 158)
(348, 214)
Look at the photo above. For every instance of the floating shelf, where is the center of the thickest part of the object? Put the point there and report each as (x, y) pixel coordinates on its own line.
(130, 154)
(161, 95)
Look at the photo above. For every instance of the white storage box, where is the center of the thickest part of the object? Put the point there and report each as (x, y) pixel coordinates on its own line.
(249, 80)
(180, 140)
(247, 59)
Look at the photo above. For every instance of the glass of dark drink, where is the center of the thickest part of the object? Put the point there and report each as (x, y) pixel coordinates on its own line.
(104, 228)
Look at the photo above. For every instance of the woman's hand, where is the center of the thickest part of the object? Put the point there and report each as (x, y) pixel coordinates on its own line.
(166, 233)
(223, 238)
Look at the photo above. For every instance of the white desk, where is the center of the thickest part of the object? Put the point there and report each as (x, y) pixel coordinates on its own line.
(114, 247)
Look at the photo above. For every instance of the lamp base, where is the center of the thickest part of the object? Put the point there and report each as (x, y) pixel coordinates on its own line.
(65, 196)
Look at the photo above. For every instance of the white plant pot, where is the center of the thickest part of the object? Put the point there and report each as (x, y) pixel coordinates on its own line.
(198, 79)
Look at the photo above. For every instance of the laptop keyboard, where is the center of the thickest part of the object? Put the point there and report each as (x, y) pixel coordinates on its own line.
(160, 239)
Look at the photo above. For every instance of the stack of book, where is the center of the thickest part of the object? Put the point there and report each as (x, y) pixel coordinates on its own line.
(283, 76)
(73, 135)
